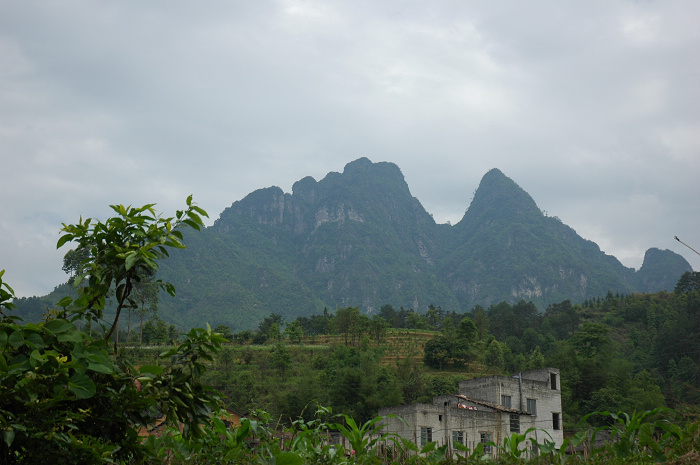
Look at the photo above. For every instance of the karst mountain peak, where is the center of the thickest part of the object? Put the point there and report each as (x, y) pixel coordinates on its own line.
(359, 238)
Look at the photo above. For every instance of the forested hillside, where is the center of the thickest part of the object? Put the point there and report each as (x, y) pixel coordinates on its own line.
(631, 352)
(359, 238)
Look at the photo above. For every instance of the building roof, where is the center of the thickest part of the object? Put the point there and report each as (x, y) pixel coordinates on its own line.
(492, 405)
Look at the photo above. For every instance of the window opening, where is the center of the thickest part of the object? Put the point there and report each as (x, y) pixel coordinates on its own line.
(458, 437)
(555, 421)
(553, 378)
(505, 401)
(514, 423)
(485, 438)
(532, 406)
(426, 435)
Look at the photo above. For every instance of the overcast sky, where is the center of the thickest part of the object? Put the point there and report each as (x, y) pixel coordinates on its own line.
(592, 107)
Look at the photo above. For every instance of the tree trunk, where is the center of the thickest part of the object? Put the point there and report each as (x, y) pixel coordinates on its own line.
(141, 331)
(128, 325)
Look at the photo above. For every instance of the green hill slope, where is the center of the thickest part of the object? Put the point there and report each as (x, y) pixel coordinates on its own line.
(359, 238)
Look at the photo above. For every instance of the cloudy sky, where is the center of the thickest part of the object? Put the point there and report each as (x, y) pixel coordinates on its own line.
(592, 107)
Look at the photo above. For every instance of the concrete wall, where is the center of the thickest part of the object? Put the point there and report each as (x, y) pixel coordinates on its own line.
(444, 419)
(443, 416)
(536, 384)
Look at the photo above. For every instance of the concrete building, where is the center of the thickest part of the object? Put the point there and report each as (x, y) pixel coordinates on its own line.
(485, 409)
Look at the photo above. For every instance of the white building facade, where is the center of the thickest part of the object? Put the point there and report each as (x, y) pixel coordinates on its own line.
(485, 410)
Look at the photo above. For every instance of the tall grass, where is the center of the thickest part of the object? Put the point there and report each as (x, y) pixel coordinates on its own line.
(654, 436)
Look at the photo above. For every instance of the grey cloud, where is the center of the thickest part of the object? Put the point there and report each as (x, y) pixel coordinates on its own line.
(591, 107)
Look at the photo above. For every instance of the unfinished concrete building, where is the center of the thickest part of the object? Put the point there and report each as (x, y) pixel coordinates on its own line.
(486, 410)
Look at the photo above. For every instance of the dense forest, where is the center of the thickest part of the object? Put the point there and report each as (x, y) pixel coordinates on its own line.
(632, 352)
(619, 352)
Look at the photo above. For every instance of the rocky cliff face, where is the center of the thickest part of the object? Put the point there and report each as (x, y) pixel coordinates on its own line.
(359, 238)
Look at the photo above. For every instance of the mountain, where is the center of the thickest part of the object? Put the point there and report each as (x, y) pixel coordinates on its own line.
(660, 270)
(359, 238)
(505, 248)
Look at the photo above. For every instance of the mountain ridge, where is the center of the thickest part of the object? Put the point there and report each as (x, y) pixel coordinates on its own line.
(359, 238)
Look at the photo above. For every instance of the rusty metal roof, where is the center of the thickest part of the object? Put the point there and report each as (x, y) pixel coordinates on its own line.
(492, 405)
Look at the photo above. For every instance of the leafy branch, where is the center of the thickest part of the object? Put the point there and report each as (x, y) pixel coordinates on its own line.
(120, 251)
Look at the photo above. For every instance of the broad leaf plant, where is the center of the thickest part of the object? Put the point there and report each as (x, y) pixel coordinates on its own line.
(64, 396)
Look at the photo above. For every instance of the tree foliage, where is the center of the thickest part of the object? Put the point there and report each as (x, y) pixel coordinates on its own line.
(122, 250)
(63, 397)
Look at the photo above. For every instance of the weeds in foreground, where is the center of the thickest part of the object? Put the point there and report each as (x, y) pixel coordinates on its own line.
(642, 437)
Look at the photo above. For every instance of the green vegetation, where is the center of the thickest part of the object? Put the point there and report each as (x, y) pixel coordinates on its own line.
(359, 239)
(64, 398)
(68, 396)
(642, 439)
(628, 353)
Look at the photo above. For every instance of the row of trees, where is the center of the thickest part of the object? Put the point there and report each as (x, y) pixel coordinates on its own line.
(618, 352)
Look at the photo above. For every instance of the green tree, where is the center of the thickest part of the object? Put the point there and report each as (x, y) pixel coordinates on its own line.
(531, 340)
(157, 331)
(145, 300)
(525, 315)
(149, 335)
(684, 378)
(265, 326)
(294, 331)
(494, 355)
(243, 337)
(63, 398)
(644, 393)
(536, 359)
(280, 358)
(467, 330)
(389, 314)
(122, 250)
(462, 352)
(481, 321)
(225, 331)
(378, 327)
(346, 322)
(274, 333)
(688, 282)
(563, 319)
(591, 340)
(415, 320)
(434, 316)
(448, 329)
(410, 377)
(437, 352)
(501, 320)
(73, 262)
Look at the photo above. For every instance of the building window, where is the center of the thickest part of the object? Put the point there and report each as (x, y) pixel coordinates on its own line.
(514, 423)
(505, 401)
(426, 435)
(555, 421)
(532, 406)
(458, 437)
(553, 379)
(485, 438)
